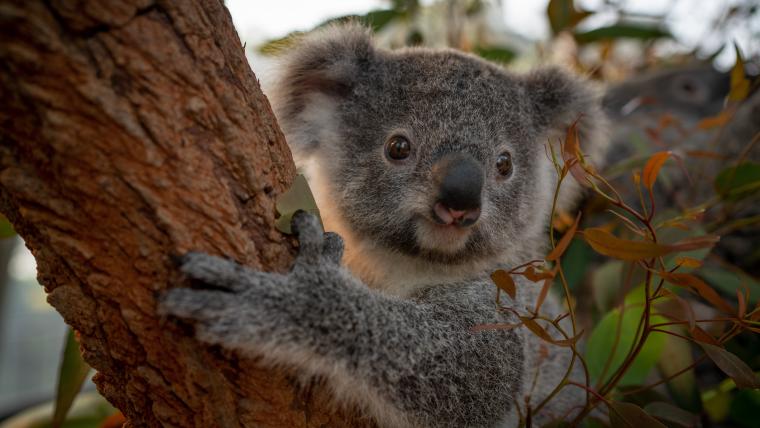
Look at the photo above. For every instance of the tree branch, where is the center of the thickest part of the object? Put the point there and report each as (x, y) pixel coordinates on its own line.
(132, 132)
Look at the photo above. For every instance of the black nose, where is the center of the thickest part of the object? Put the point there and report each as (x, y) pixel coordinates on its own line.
(460, 184)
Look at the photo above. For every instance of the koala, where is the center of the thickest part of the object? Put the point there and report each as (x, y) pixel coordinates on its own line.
(432, 167)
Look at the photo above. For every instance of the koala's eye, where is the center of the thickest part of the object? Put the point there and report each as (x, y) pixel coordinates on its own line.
(398, 148)
(504, 164)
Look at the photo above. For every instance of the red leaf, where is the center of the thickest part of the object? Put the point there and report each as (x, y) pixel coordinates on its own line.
(571, 154)
(504, 281)
(563, 243)
(652, 168)
(688, 262)
(696, 243)
(545, 288)
(679, 312)
(716, 121)
(632, 416)
(608, 244)
(534, 276)
(731, 365)
(702, 336)
(539, 331)
(670, 413)
(742, 304)
(701, 287)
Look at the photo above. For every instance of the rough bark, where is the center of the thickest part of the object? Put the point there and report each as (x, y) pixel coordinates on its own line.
(130, 133)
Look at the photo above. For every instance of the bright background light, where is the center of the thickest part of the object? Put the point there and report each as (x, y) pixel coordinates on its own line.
(691, 21)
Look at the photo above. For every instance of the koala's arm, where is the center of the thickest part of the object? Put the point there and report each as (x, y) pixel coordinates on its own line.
(407, 362)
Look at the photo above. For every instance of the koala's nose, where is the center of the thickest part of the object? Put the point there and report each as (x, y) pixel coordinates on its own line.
(460, 184)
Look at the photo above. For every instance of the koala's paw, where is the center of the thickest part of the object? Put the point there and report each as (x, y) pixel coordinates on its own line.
(315, 246)
(237, 307)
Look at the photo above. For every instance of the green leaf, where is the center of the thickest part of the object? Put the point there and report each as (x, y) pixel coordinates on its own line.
(275, 46)
(744, 408)
(622, 31)
(717, 401)
(739, 82)
(298, 197)
(90, 410)
(629, 415)
(605, 284)
(495, 53)
(6, 228)
(676, 355)
(563, 15)
(602, 341)
(575, 262)
(376, 19)
(729, 281)
(71, 376)
(672, 415)
(738, 182)
(732, 365)
(672, 234)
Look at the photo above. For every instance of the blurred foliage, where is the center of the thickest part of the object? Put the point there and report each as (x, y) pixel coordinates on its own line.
(90, 410)
(6, 229)
(71, 377)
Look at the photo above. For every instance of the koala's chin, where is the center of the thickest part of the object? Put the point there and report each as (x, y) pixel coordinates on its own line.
(444, 238)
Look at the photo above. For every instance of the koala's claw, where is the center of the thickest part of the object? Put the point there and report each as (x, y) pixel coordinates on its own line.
(311, 237)
(215, 271)
(199, 305)
(332, 250)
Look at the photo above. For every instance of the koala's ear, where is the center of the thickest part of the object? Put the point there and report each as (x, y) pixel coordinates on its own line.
(558, 99)
(324, 62)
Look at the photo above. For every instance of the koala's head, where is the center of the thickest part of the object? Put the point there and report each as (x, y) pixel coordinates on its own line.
(433, 154)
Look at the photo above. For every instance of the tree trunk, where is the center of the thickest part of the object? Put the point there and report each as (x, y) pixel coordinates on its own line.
(132, 132)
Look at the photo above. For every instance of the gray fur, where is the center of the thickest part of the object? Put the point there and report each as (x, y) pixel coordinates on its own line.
(392, 331)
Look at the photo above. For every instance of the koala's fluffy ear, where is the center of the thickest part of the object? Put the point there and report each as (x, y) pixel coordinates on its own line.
(559, 99)
(316, 72)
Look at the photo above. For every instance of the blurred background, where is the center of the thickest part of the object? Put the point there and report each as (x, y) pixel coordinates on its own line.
(658, 58)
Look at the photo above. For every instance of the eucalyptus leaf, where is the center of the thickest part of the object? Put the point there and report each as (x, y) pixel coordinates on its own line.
(728, 281)
(275, 46)
(605, 283)
(740, 85)
(605, 334)
(495, 53)
(90, 410)
(575, 263)
(375, 19)
(298, 197)
(564, 15)
(72, 374)
(732, 365)
(672, 234)
(717, 401)
(622, 31)
(738, 182)
(676, 356)
(6, 228)
(629, 415)
(672, 415)
(744, 406)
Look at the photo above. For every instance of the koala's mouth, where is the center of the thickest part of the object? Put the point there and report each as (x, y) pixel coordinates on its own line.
(457, 218)
(435, 234)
